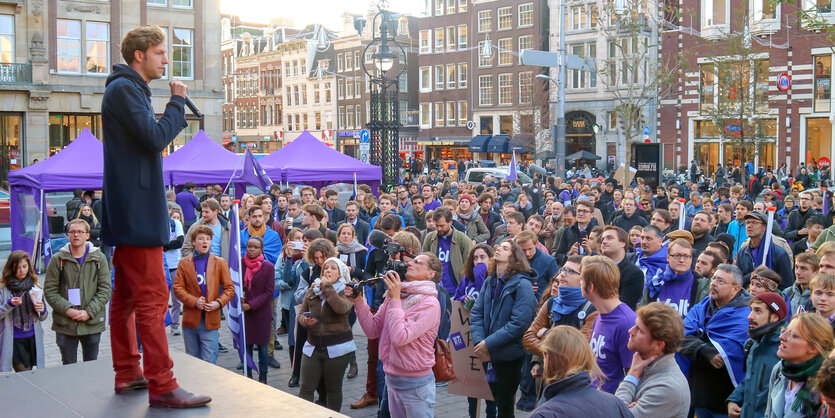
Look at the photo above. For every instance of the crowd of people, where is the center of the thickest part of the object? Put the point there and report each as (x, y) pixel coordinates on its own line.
(584, 296)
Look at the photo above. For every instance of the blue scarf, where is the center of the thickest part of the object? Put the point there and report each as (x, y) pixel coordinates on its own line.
(655, 263)
(658, 281)
(757, 254)
(569, 299)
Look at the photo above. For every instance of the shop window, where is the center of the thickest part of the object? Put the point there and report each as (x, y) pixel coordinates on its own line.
(11, 153)
(823, 83)
(818, 139)
(64, 128)
(486, 125)
(505, 125)
(706, 86)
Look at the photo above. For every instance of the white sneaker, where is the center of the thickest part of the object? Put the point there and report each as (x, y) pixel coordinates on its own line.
(175, 330)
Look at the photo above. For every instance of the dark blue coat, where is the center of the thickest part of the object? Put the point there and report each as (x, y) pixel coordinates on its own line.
(781, 263)
(502, 322)
(134, 208)
(546, 268)
(575, 397)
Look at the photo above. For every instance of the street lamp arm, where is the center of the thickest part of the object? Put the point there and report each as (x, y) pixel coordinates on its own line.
(547, 77)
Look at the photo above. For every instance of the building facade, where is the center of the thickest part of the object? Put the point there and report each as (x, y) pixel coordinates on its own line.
(788, 125)
(56, 56)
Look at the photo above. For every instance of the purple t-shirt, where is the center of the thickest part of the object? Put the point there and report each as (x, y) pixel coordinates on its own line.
(83, 257)
(200, 265)
(677, 295)
(444, 244)
(608, 342)
(188, 203)
(432, 205)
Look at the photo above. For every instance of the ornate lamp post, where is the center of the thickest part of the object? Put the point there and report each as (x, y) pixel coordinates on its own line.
(384, 75)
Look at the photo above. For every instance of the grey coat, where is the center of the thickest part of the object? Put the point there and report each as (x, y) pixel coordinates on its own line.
(7, 333)
(662, 390)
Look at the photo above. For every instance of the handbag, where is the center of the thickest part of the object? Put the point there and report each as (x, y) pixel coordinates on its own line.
(443, 368)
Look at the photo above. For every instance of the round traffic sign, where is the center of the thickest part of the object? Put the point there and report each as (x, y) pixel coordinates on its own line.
(784, 82)
(470, 124)
(824, 162)
(364, 158)
(365, 136)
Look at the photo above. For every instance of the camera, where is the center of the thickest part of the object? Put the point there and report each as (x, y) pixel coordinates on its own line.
(396, 266)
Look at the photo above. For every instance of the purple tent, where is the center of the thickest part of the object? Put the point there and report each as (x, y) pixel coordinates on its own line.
(307, 160)
(202, 161)
(78, 166)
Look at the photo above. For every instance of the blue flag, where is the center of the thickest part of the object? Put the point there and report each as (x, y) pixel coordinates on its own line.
(254, 173)
(236, 317)
(825, 202)
(354, 194)
(512, 175)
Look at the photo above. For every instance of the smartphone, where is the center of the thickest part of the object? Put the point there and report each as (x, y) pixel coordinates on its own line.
(297, 245)
(308, 315)
(582, 236)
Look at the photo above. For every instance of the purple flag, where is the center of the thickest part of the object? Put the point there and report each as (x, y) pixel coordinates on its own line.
(512, 176)
(825, 202)
(236, 317)
(254, 173)
(46, 245)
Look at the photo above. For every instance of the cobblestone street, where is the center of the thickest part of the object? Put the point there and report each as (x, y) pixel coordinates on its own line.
(446, 405)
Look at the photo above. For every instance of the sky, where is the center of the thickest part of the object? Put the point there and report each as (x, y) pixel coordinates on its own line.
(304, 12)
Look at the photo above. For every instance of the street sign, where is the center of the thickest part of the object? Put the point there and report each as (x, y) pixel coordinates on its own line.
(365, 149)
(646, 130)
(552, 59)
(784, 82)
(234, 138)
(470, 125)
(823, 162)
(365, 136)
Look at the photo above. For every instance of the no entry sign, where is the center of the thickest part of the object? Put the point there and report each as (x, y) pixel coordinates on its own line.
(784, 82)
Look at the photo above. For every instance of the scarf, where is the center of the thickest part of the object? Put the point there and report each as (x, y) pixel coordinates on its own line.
(23, 315)
(757, 253)
(252, 267)
(658, 281)
(758, 332)
(654, 263)
(339, 286)
(465, 217)
(88, 219)
(569, 299)
(801, 373)
(350, 248)
(413, 292)
(260, 232)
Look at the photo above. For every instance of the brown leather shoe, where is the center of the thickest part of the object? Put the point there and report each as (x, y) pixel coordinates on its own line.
(178, 398)
(141, 383)
(367, 400)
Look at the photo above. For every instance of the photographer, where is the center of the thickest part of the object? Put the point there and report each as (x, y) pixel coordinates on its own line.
(406, 329)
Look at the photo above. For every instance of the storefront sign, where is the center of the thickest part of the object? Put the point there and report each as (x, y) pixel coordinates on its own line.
(648, 161)
(469, 373)
(733, 129)
(350, 134)
(823, 162)
(437, 143)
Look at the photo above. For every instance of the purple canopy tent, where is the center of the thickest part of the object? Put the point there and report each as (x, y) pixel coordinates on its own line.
(307, 160)
(201, 161)
(78, 166)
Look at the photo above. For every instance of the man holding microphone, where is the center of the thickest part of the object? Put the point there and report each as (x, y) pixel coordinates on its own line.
(135, 216)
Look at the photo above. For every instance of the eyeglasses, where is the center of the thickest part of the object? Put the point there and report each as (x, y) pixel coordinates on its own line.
(569, 271)
(719, 281)
(583, 211)
(790, 336)
(680, 256)
(74, 232)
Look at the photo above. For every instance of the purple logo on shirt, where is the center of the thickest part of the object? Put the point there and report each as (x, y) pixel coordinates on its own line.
(458, 341)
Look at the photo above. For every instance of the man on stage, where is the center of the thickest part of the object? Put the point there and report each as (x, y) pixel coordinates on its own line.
(135, 216)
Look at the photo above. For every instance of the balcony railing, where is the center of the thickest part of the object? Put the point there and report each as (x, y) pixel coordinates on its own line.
(15, 73)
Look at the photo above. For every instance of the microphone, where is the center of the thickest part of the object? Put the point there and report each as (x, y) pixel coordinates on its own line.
(379, 239)
(193, 108)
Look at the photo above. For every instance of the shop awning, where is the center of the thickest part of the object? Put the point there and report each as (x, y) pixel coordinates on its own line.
(499, 144)
(479, 143)
(522, 144)
(225, 143)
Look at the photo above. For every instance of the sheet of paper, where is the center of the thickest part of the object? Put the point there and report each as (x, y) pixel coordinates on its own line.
(74, 296)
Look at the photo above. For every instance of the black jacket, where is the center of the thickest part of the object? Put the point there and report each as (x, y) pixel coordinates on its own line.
(570, 235)
(335, 217)
(631, 286)
(134, 208)
(575, 397)
(361, 228)
(797, 221)
(627, 222)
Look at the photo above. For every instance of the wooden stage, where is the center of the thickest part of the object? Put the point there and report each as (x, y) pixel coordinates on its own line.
(86, 390)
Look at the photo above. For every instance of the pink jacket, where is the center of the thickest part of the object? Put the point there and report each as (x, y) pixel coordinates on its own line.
(407, 338)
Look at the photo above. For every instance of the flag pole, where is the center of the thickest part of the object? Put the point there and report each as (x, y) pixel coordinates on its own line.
(239, 293)
(769, 225)
(681, 214)
(243, 157)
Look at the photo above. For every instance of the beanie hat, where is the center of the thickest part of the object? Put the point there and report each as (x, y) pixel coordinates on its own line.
(727, 239)
(466, 197)
(775, 303)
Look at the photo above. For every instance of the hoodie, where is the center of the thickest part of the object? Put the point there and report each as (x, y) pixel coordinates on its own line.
(133, 196)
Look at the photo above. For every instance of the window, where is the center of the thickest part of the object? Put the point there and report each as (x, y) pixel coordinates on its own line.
(349, 116)
(525, 87)
(439, 7)
(425, 79)
(450, 76)
(162, 3)
(340, 89)
(575, 17)
(484, 60)
(505, 89)
(462, 6)
(97, 47)
(358, 117)
(462, 113)
(577, 78)
(425, 41)
(7, 39)
(525, 42)
(505, 15)
(357, 87)
(304, 94)
(439, 77)
(439, 40)
(450, 7)
(317, 118)
(485, 90)
(425, 115)
(485, 21)
(328, 93)
(506, 51)
(340, 117)
(822, 6)
(525, 15)
(450, 38)
(349, 89)
(182, 52)
(356, 60)
(450, 114)
(69, 45)
(462, 36)
(764, 9)
(296, 95)
(714, 12)
(823, 82)
(439, 114)
(339, 63)
(761, 86)
(316, 94)
(289, 97)
(348, 62)
(181, 3)
(462, 75)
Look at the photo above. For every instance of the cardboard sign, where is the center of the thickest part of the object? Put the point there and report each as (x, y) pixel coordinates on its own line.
(469, 372)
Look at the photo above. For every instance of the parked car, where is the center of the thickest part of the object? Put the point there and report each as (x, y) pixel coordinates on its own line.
(476, 175)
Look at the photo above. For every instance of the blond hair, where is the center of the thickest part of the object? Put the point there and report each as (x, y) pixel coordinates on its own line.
(140, 39)
(816, 330)
(603, 273)
(566, 352)
(822, 281)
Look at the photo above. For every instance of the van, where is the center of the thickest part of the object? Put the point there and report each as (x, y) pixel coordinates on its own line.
(476, 175)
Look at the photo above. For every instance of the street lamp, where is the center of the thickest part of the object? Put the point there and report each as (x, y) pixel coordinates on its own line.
(384, 123)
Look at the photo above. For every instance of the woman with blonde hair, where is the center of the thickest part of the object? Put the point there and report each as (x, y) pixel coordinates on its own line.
(804, 344)
(569, 367)
(86, 214)
(247, 201)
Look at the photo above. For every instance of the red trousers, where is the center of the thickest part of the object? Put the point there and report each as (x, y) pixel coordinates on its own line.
(140, 299)
(371, 378)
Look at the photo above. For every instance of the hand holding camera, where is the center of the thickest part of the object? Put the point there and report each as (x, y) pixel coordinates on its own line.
(392, 281)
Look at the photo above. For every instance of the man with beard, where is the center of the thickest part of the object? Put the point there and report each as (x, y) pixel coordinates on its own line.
(700, 229)
(651, 255)
(752, 253)
(676, 285)
(796, 228)
(707, 262)
(768, 314)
